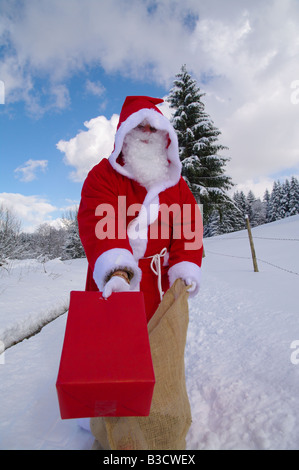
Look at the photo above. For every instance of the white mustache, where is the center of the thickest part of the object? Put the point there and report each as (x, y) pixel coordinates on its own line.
(145, 156)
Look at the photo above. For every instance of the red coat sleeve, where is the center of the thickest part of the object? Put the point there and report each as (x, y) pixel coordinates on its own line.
(99, 221)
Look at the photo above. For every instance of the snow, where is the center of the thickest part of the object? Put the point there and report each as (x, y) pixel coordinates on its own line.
(242, 365)
(32, 293)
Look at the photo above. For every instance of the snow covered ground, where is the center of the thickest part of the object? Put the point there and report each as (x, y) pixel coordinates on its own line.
(242, 373)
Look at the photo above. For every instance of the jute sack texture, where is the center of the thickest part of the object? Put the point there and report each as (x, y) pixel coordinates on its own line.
(170, 417)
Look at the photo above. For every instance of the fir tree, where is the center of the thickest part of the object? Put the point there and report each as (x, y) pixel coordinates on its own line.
(294, 196)
(285, 198)
(266, 201)
(249, 206)
(259, 213)
(231, 220)
(240, 200)
(212, 228)
(255, 210)
(276, 211)
(202, 166)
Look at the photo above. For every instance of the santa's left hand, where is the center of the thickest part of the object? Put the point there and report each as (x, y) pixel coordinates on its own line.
(115, 284)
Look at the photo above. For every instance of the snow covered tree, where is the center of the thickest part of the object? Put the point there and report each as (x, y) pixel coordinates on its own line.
(282, 202)
(276, 211)
(294, 196)
(49, 241)
(239, 199)
(249, 206)
(212, 228)
(30, 249)
(259, 212)
(255, 210)
(266, 201)
(9, 234)
(231, 219)
(202, 166)
(285, 198)
(73, 247)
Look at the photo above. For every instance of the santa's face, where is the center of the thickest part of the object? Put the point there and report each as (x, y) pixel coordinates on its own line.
(145, 154)
(145, 131)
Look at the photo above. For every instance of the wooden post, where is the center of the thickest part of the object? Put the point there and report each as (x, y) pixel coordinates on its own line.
(251, 245)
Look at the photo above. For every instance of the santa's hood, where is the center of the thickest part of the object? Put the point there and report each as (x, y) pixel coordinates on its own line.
(135, 110)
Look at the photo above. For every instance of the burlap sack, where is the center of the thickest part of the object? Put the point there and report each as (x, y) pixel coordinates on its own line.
(170, 417)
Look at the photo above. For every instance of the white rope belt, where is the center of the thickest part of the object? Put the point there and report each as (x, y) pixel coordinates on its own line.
(156, 268)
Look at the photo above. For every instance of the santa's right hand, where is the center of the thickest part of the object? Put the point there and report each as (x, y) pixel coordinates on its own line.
(115, 284)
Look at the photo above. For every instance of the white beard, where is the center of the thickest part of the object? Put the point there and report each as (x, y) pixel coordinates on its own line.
(145, 156)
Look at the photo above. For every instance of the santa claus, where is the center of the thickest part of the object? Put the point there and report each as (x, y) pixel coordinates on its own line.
(156, 234)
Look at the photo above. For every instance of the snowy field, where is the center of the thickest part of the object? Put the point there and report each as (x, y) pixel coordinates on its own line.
(242, 373)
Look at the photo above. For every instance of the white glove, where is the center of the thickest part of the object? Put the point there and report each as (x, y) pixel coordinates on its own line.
(115, 284)
(189, 282)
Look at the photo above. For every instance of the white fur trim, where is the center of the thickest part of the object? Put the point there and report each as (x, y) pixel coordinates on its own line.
(185, 270)
(116, 258)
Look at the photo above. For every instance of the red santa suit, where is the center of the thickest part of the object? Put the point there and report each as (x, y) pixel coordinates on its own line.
(124, 225)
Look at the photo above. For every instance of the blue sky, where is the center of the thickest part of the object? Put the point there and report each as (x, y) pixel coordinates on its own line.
(33, 166)
(67, 66)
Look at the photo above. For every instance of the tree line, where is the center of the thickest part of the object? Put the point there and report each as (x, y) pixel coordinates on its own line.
(45, 243)
(281, 202)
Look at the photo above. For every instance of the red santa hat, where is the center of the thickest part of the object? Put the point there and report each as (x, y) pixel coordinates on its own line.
(135, 110)
(133, 104)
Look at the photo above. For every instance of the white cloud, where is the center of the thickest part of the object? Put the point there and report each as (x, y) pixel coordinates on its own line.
(252, 60)
(95, 88)
(60, 97)
(51, 39)
(258, 186)
(87, 148)
(262, 136)
(27, 172)
(243, 54)
(31, 210)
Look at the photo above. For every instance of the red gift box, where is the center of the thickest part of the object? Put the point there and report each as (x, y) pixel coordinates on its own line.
(106, 365)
